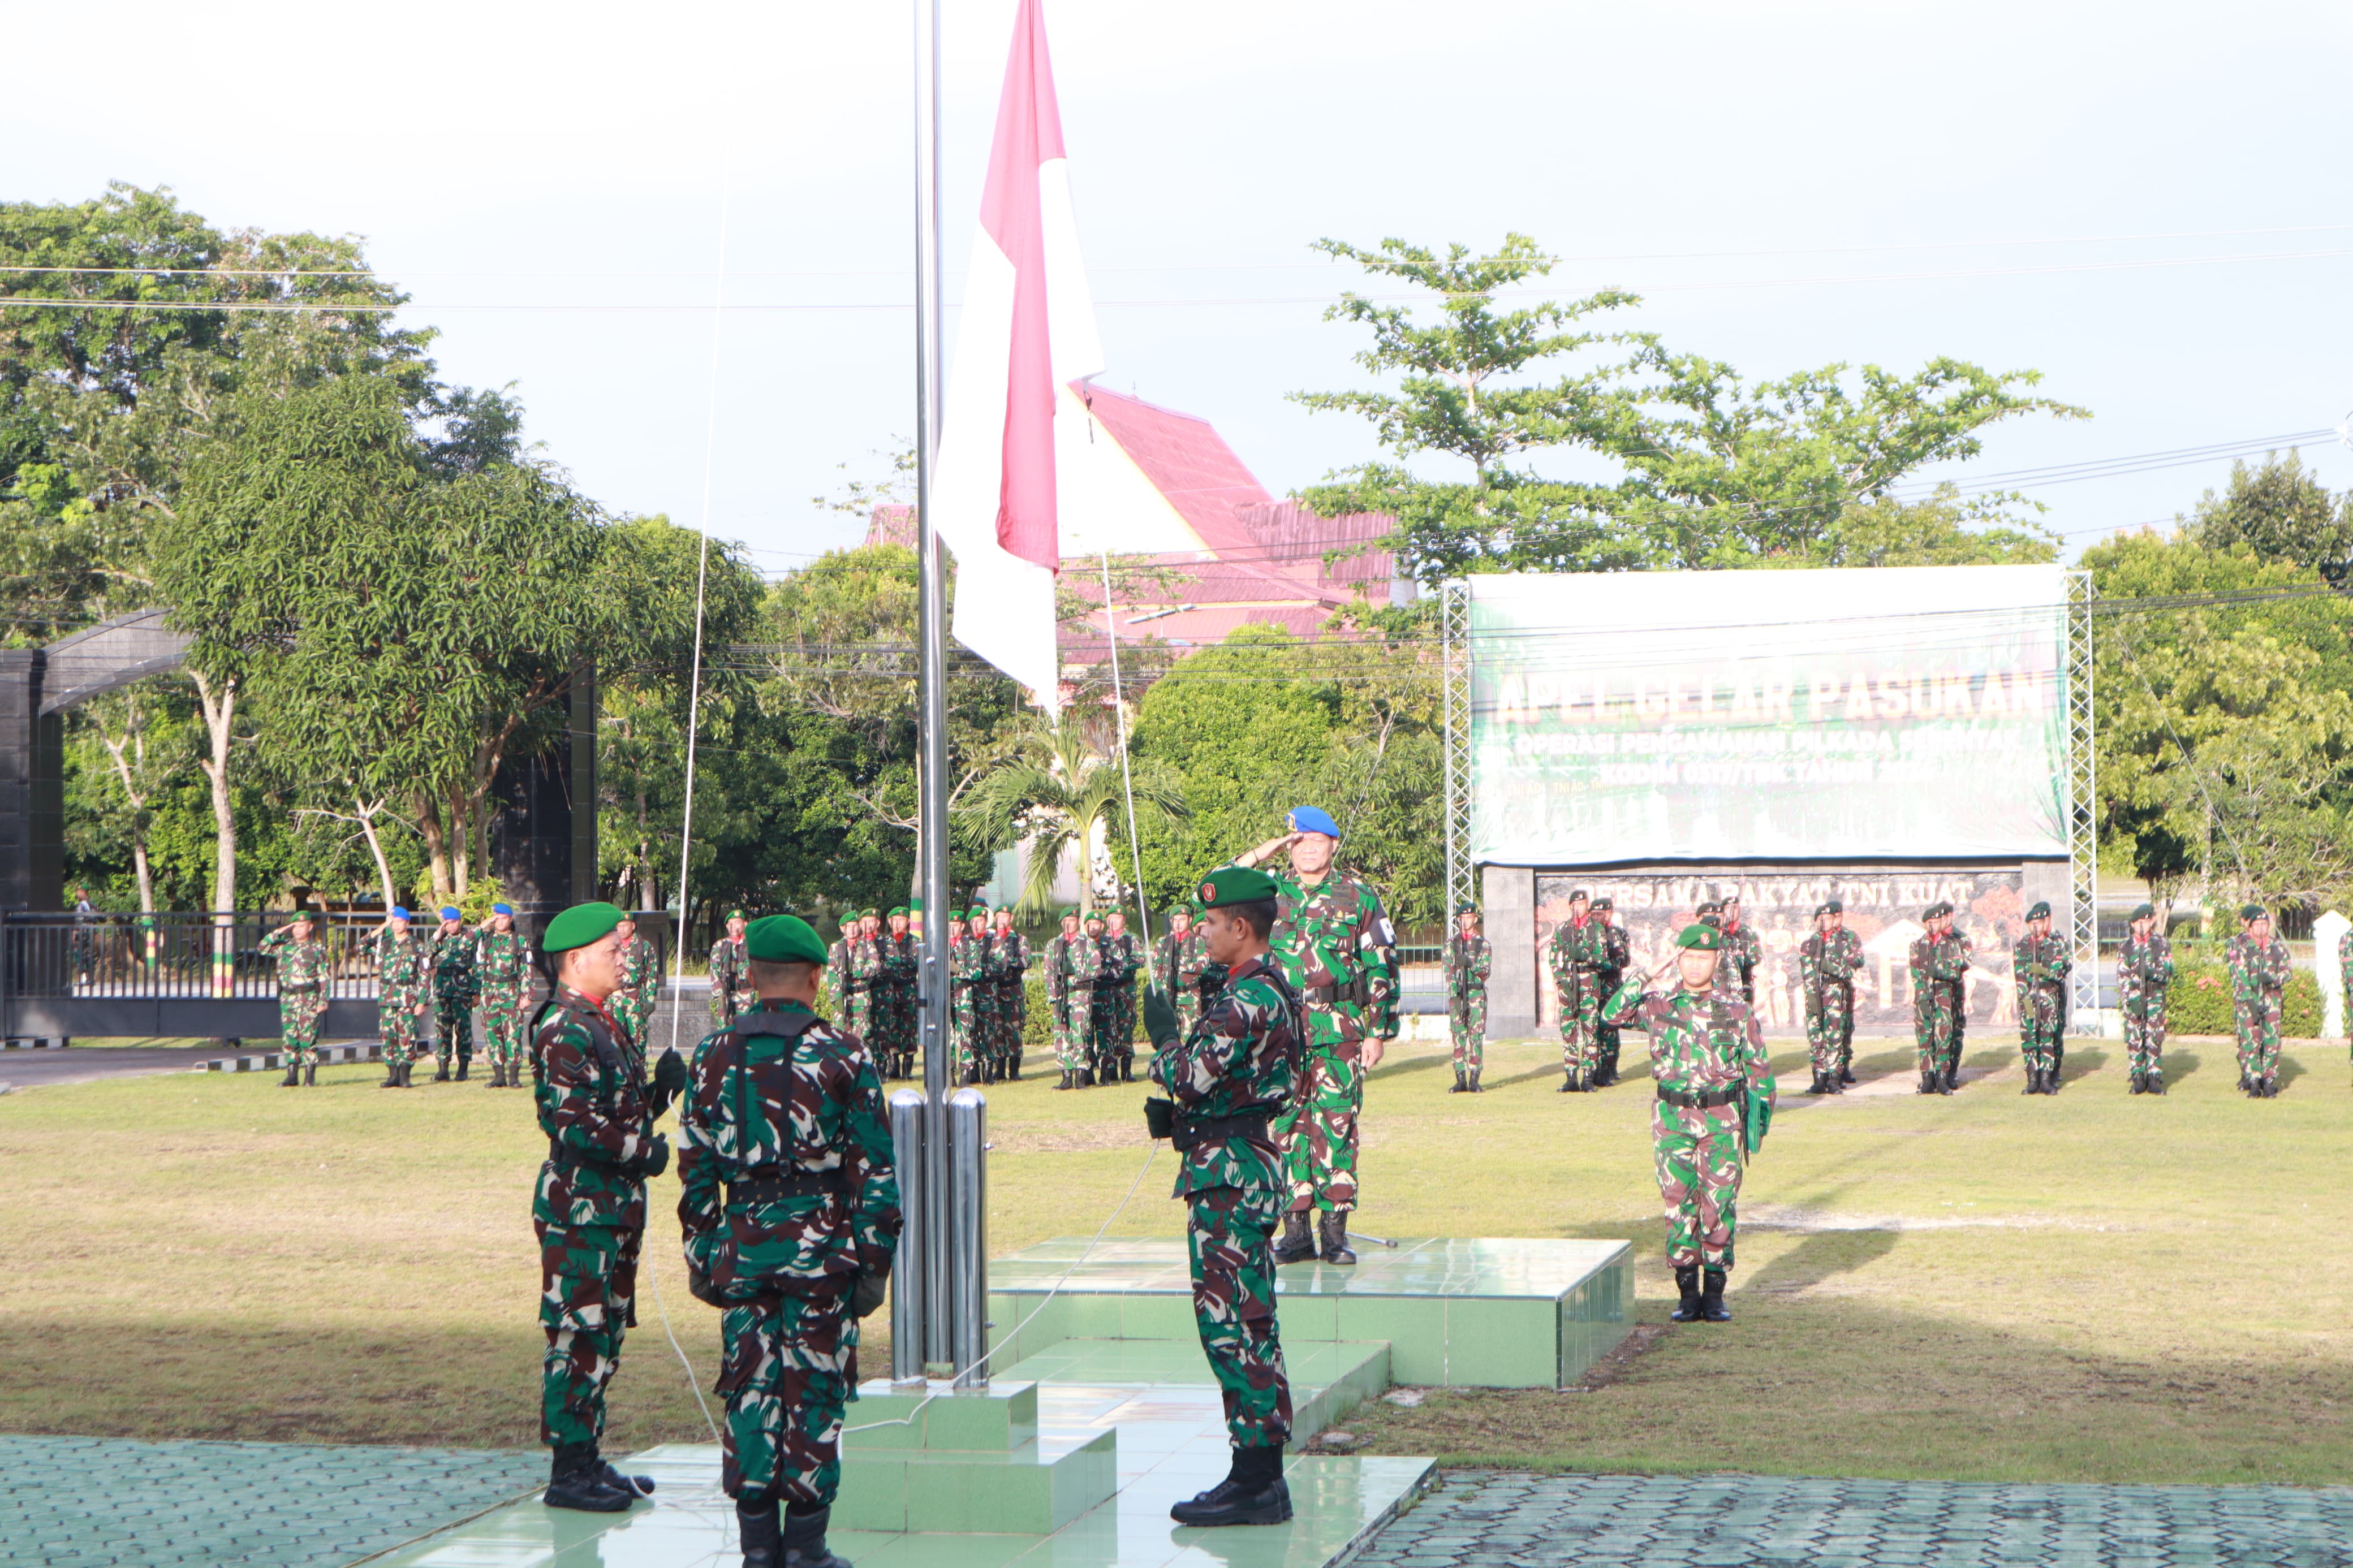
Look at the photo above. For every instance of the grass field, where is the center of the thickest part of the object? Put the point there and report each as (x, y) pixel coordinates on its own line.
(2093, 1288)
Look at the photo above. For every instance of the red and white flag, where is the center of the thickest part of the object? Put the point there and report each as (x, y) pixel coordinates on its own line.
(1028, 333)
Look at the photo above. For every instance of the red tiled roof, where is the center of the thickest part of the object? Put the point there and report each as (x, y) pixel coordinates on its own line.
(1187, 461)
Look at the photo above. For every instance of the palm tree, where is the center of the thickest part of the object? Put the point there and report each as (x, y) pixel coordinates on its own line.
(1053, 789)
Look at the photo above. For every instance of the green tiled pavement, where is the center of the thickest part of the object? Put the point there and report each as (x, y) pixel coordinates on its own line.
(1511, 1521)
(87, 1502)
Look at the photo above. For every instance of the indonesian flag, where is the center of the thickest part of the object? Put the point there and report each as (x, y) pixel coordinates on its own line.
(1027, 331)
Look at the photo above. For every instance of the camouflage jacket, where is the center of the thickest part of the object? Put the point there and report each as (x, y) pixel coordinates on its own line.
(866, 962)
(596, 1107)
(1470, 960)
(1946, 958)
(502, 958)
(1831, 959)
(401, 959)
(1743, 950)
(1335, 944)
(641, 972)
(302, 965)
(1618, 954)
(1009, 959)
(2144, 969)
(804, 1102)
(2039, 963)
(1697, 1043)
(1577, 949)
(896, 959)
(1243, 1054)
(837, 976)
(1081, 959)
(967, 958)
(454, 977)
(1060, 957)
(1168, 961)
(1122, 961)
(2257, 968)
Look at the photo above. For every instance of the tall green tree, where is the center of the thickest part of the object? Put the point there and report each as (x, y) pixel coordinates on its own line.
(2276, 510)
(1059, 790)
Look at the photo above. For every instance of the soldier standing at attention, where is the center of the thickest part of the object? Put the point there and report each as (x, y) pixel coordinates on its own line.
(1334, 944)
(633, 1003)
(1231, 1077)
(2259, 975)
(866, 977)
(1126, 961)
(598, 1108)
(1939, 958)
(301, 994)
(1617, 957)
(1468, 962)
(1828, 962)
(1170, 956)
(1578, 954)
(789, 1202)
(982, 990)
(1103, 1061)
(1742, 949)
(503, 962)
(456, 986)
(1715, 1097)
(897, 958)
(963, 1056)
(2144, 970)
(402, 961)
(1069, 1015)
(729, 995)
(1013, 989)
(2039, 966)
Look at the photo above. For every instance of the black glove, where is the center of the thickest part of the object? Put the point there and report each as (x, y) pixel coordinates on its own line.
(699, 1286)
(1160, 1117)
(669, 1071)
(1160, 1018)
(866, 1296)
(655, 1160)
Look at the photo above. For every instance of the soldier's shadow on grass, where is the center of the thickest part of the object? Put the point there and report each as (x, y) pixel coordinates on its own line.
(2178, 1065)
(2081, 1063)
(1822, 1255)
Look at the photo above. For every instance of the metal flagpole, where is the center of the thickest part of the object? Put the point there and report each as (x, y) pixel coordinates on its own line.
(933, 720)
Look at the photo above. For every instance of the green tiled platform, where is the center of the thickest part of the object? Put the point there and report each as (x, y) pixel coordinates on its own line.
(1478, 1313)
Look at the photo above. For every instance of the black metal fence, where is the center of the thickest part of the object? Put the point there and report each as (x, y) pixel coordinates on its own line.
(107, 956)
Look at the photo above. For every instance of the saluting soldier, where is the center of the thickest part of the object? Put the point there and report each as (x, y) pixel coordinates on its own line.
(1715, 1098)
(456, 985)
(1940, 957)
(402, 963)
(2039, 966)
(2260, 968)
(1742, 949)
(730, 993)
(301, 994)
(789, 1202)
(597, 1105)
(1469, 963)
(1334, 942)
(1231, 1076)
(1617, 957)
(1126, 962)
(1578, 954)
(1013, 955)
(502, 965)
(1070, 1014)
(1828, 962)
(2144, 971)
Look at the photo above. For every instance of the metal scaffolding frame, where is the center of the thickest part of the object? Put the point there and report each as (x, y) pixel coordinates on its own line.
(2083, 811)
(1454, 618)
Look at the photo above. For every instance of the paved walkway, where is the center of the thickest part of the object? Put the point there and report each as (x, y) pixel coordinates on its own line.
(1515, 1521)
(80, 1064)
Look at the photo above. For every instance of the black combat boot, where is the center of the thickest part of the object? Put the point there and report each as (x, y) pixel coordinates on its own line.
(1253, 1492)
(1819, 1085)
(804, 1540)
(1065, 1082)
(1086, 1078)
(1332, 1231)
(2137, 1085)
(1473, 1085)
(2050, 1081)
(408, 1073)
(1711, 1297)
(391, 1074)
(1846, 1072)
(2245, 1081)
(761, 1525)
(1952, 1077)
(442, 1070)
(1128, 1069)
(573, 1482)
(633, 1486)
(1459, 1084)
(463, 1063)
(1294, 1245)
(2157, 1083)
(2033, 1081)
(1687, 1290)
(309, 1075)
(1930, 1083)
(293, 1074)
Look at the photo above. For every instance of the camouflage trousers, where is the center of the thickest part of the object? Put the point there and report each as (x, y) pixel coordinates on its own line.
(858, 1014)
(963, 1054)
(1188, 1001)
(2041, 1016)
(2145, 1039)
(1466, 1022)
(1607, 1041)
(1580, 1025)
(502, 1023)
(1318, 1138)
(401, 1011)
(454, 1031)
(1013, 1014)
(300, 1014)
(1229, 1234)
(1070, 1031)
(2259, 1036)
(723, 1003)
(1102, 1044)
(1698, 1156)
(1830, 1026)
(587, 1301)
(635, 1015)
(788, 1366)
(1936, 1028)
(895, 1025)
(1127, 1005)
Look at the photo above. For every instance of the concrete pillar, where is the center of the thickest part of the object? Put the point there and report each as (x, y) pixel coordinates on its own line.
(32, 788)
(1509, 896)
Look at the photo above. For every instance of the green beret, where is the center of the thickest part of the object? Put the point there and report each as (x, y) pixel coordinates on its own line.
(782, 938)
(2252, 913)
(956, 915)
(1710, 908)
(1820, 909)
(1706, 939)
(1601, 904)
(1070, 912)
(2143, 912)
(1833, 906)
(2040, 911)
(1094, 917)
(580, 925)
(737, 915)
(1461, 910)
(1235, 885)
(898, 913)
(1575, 894)
(1933, 910)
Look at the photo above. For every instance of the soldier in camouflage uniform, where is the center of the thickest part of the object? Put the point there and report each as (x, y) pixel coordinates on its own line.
(2260, 968)
(1743, 950)
(1577, 955)
(1715, 1097)
(1468, 962)
(403, 961)
(1102, 1059)
(1173, 968)
(1617, 957)
(1013, 956)
(730, 990)
(2039, 966)
(964, 959)
(1334, 942)
(1939, 958)
(1231, 1077)
(632, 1006)
(898, 958)
(1124, 960)
(1071, 1006)
(986, 996)
(456, 988)
(596, 1106)
(789, 1202)
(301, 994)
(1828, 962)
(2144, 970)
(502, 963)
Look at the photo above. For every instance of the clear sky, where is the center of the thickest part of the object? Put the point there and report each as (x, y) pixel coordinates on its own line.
(1791, 183)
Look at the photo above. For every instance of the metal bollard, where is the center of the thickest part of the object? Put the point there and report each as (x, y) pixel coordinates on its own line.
(908, 1109)
(968, 1235)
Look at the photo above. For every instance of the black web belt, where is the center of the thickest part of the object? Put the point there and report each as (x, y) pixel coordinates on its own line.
(763, 1187)
(1707, 1100)
(1192, 1131)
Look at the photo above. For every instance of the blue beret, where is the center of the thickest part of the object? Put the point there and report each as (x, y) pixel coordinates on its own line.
(398, 913)
(453, 912)
(506, 909)
(1314, 819)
